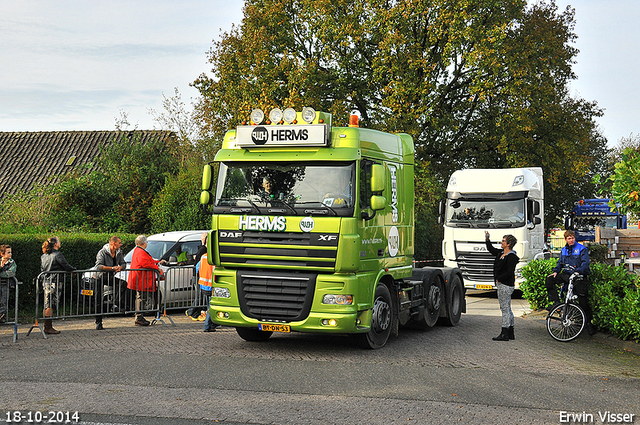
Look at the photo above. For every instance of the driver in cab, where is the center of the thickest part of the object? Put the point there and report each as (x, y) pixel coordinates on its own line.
(268, 192)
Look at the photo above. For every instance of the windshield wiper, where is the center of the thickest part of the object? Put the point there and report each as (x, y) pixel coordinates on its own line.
(323, 211)
(285, 204)
(242, 209)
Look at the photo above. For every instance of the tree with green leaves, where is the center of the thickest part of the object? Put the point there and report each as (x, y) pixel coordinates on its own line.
(477, 83)
(624, 184)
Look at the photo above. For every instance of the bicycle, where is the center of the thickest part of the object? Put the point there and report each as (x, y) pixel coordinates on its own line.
(566, 321)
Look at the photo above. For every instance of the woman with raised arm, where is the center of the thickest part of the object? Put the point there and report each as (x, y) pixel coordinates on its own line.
(504, 274)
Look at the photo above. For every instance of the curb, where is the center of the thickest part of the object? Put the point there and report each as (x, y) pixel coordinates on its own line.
(601, 336)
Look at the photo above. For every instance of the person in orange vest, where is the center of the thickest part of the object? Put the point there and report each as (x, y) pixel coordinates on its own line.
(205, 279)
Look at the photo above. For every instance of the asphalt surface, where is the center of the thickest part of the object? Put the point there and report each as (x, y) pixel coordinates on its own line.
(167, 374)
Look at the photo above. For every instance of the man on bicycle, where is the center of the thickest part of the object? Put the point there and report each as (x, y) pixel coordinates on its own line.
(574, 258)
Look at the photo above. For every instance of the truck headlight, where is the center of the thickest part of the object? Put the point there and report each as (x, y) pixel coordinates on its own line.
(289, 115)
(337, 299)
(257, 116)
(308, 114)
(275, 115)
(221, 292)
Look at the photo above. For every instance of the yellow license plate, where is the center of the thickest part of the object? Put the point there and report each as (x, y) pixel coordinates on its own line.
(484, 287)
(88, 292)
(268, 327)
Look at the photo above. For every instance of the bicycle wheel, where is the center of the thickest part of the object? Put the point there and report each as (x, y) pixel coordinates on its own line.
(565, 322)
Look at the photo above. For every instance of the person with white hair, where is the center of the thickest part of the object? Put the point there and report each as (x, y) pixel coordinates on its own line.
(144, 282)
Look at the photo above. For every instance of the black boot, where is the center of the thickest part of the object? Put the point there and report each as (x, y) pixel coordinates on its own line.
(504, 335)
(511, 334)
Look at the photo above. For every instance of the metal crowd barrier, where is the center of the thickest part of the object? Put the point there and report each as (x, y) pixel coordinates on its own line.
(8, 298)
(181, 290)
(86, 293)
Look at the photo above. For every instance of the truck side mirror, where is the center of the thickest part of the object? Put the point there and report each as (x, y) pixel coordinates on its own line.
(441, 208)
(206, 198)
(568, 223)
(207, 177)
(536, 208)
(378, 203)
(377, 178)
(537, 220)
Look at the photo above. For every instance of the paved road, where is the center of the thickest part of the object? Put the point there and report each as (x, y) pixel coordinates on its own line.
(177, 375)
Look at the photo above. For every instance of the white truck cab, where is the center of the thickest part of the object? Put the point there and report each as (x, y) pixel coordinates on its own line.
(500, 201)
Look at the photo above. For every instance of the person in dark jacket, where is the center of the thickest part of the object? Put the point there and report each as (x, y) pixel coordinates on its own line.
(504, 271)
(52, 260)
(109, 261)
(8, 269)
(574, 258)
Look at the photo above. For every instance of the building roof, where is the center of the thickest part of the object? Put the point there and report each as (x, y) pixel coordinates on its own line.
(30, 158)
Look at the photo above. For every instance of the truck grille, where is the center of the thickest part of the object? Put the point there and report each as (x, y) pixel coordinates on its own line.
(299, 251)
(275, 296)
(476, 266)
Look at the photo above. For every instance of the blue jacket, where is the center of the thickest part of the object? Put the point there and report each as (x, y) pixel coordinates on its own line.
(574, 259)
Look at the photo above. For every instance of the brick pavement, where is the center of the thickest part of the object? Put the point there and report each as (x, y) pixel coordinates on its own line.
(467, 345)
(440, 351)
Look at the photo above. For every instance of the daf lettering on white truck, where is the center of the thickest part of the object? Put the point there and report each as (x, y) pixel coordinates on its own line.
(501, 201)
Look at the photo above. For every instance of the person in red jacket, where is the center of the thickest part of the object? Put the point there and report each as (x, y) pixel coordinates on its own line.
(142, 281)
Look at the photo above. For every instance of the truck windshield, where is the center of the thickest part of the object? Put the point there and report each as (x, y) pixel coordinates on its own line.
(487, 214)
(590, 223)
(286, 188)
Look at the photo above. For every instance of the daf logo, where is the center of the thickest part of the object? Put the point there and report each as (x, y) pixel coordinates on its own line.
(259, 135)
(327, 237)
(230, 234)
(479, 248)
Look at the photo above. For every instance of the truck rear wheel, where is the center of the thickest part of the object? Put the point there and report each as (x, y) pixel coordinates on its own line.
(253, 334)
(434, 302)
(433, 294)
(455, 301)
(380, 321)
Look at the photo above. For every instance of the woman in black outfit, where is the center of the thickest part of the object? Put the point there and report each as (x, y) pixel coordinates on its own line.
(504, 270)
(52, 260)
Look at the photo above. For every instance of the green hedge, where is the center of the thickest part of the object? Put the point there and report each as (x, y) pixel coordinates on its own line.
(79, 249)
(614, 295)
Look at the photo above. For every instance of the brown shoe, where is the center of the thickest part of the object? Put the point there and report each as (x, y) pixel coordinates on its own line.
(141, 321)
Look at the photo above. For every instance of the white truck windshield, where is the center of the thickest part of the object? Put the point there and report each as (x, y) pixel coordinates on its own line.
(486, 213)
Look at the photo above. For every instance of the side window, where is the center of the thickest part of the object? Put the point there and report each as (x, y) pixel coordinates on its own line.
(192, 249)
(365, 183)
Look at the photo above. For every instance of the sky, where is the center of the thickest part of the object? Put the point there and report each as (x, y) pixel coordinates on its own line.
(78, 65)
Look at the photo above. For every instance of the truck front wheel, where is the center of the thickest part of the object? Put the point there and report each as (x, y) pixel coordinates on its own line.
(381, 320)
(253, 334)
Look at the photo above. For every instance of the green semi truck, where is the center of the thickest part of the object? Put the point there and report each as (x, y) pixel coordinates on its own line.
(313, 231)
